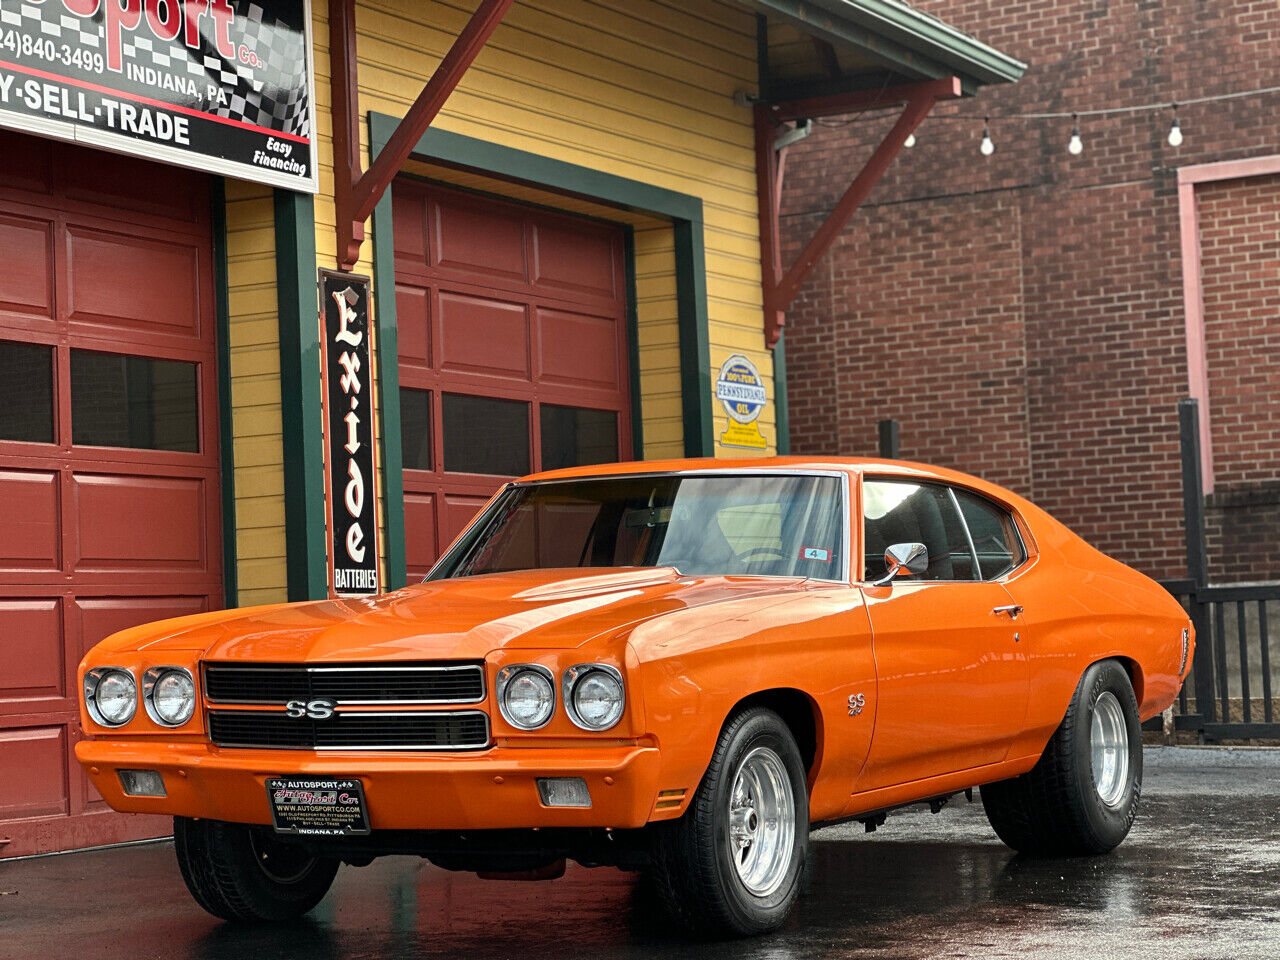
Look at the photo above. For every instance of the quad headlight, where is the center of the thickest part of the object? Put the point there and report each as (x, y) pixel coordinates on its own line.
(594, 695)
(526, 695)
(111, 695)
(169, 694)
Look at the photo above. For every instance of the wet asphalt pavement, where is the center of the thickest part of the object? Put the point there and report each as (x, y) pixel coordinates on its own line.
(1198, 878)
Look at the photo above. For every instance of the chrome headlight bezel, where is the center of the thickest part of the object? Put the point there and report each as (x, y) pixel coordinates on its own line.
(569, 683)
(93, 680)
(151, 678)
(507, 675)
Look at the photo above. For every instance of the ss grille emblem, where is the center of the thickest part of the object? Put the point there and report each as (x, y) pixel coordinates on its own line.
(321, 709)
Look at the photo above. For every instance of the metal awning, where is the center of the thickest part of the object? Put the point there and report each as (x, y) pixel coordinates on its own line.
(835, 46)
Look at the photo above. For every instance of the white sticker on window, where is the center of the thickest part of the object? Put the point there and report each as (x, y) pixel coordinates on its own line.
(815, 553)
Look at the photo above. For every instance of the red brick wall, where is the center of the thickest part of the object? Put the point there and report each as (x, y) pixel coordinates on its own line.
(1021, 315)
(911, 325)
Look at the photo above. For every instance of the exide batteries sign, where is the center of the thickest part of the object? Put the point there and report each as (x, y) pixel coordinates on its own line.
(349, 410)
(219, 85)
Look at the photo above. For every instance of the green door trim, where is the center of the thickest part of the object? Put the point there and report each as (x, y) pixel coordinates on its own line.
(507, 163)
(226, 431)
(780, 396)
(388, 352)
(301, 420)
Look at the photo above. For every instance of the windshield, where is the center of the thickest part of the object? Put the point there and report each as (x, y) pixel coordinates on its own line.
(770, 525)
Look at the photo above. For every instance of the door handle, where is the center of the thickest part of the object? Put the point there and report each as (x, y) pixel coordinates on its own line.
(1012, 609)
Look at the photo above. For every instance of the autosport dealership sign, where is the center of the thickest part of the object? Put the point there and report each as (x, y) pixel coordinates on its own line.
(223, 86)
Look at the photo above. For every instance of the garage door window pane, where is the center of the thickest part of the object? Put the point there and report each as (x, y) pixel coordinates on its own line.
(415, 429)
(573, 437)
(485, 435)
(123, 401)
(26, 392)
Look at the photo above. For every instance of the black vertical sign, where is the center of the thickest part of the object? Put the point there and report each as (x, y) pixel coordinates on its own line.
(353, 522)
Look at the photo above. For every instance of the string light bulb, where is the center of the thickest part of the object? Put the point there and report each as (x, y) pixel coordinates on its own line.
(1075, 146)
(988, 146)
(1175, 129)
(910, 141)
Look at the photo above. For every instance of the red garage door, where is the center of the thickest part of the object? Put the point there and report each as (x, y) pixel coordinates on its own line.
(108, 451)
(513, 351)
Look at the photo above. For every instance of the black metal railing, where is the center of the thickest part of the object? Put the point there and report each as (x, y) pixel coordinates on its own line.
(1229, 694)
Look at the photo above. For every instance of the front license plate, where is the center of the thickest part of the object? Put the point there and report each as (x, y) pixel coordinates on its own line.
(318, 806)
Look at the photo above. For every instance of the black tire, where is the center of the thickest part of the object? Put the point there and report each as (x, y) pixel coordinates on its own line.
(693, 871)
(224, 866)
(1056, 809)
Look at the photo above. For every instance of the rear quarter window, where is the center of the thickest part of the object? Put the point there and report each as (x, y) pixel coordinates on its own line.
(995, 535)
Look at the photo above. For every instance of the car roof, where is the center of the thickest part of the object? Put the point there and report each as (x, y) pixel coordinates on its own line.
(869, 465)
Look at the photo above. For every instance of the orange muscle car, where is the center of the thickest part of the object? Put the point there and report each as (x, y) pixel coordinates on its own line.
(669, 667)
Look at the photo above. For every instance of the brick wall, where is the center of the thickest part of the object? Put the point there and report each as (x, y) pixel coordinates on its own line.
(1021, 314)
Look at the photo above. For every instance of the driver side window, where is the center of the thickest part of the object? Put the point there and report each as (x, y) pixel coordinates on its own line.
(902, 512)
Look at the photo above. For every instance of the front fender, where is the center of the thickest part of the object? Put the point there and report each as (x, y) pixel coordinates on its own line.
(693, 667)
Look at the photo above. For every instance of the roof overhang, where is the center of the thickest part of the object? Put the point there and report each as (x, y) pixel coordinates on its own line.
(872, 42)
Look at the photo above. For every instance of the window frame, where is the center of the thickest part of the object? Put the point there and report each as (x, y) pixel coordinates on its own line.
(481, 521)
(1018, 525)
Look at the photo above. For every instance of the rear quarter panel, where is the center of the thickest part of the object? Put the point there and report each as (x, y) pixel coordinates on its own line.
(1082, 606)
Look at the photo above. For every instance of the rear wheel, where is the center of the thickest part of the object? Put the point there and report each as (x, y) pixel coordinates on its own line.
(732, 864)
(245, 873)
(1082, 795)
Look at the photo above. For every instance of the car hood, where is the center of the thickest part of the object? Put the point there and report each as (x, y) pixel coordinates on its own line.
(463, 619)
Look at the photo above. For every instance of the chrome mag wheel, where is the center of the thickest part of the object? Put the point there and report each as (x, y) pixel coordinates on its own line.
(1109, 749)
(762, 821)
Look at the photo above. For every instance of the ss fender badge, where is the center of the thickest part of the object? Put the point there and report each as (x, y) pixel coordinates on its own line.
(321, 709)
(856, 702)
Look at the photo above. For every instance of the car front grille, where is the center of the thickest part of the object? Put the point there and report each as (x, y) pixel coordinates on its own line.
(409, 683)
(364, 730)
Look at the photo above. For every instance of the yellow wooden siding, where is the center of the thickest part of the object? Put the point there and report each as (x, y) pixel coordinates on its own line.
(641, 89)
(255, 394)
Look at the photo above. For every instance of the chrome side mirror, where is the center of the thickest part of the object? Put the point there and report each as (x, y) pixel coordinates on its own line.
(904, 558)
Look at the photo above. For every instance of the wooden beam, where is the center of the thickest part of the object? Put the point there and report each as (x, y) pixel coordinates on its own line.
(345, 112)
(357, 193)
(827, 57)
(768, 200)
(810, 108)
(780, 288)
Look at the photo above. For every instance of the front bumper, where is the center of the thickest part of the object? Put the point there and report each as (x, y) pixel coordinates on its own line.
(491, 790)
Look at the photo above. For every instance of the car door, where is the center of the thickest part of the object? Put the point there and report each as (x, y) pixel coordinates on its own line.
(952, 678)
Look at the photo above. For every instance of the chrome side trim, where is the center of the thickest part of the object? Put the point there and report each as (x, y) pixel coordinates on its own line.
(968, 535)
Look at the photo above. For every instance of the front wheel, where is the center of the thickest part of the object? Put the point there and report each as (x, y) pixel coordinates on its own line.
(1082, 795)
(245, 873)
(732, 864)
